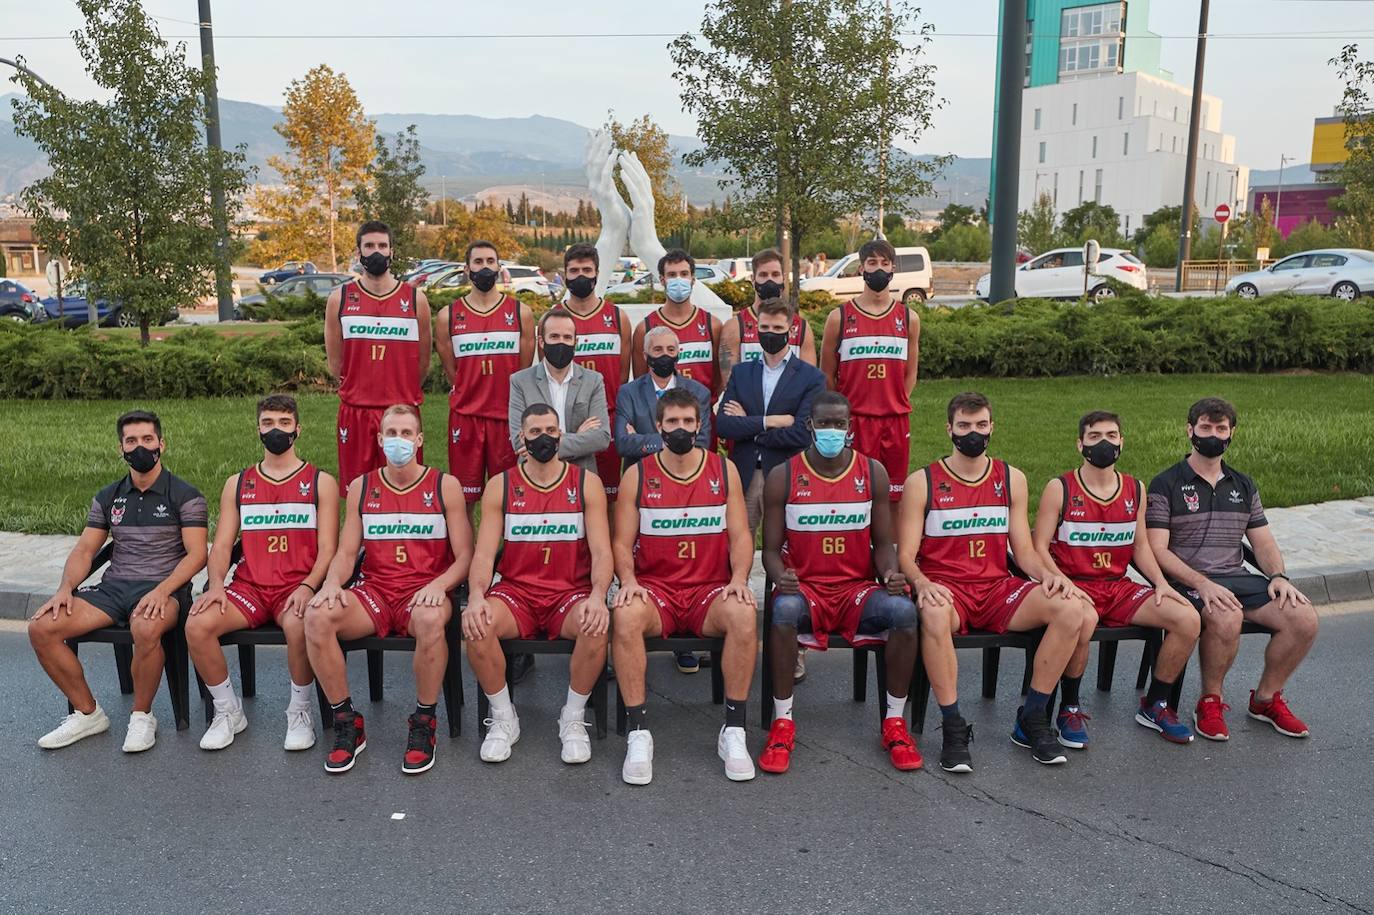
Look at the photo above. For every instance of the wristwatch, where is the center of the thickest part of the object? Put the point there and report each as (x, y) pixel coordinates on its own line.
(1282, 575)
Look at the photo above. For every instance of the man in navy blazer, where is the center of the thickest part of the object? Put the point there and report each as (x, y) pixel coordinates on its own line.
(765, 406)
(636, 404)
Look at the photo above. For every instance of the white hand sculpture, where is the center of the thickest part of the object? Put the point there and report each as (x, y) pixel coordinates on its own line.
(599, 164)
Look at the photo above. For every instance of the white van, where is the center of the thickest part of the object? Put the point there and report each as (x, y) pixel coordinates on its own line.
(912, 279)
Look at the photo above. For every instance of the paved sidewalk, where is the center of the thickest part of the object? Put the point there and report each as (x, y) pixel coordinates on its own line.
(1329, 549)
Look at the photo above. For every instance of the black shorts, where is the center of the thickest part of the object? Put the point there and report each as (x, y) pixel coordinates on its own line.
(1251, 590)
(117, 598)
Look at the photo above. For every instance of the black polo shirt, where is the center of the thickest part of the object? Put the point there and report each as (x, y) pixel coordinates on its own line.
(1205, 523)
(146, 525)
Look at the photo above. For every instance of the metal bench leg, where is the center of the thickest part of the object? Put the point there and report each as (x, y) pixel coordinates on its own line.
(1148, 652)
(205, 699)
(992, 663)
(717, 680)
(453, 699)
(1106, 665)
(248, 670)
(326, 712)
(176, 663)
(1030, 669)
(124, 666)
(1176, 694)
(375, 667)
(860, 676)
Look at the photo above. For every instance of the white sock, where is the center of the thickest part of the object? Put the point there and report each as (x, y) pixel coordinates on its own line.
(577, 702)
(782, 708)
(501, 706)
(223, 692)
(896, 706)
(301, 695)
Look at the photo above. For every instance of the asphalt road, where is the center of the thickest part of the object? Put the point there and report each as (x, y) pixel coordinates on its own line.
(1262, 824)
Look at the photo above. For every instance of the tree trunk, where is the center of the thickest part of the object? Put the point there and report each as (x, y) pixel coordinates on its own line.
(143, 338)
(333, 258)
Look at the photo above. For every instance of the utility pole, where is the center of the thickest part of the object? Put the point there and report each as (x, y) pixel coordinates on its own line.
(443, 198)
(1185, 232)
(882, 137)
(1010, 85)
(784, 226)
(224, 280)
(1278, 201)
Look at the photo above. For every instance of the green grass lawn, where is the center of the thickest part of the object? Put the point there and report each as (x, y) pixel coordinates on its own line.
(1305, 438)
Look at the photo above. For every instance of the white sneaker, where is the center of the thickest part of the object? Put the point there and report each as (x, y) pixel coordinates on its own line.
(572, 731)
(142, 733)
(799, 672)
(639, 758)
(74, 727)
(730, 746)
(228, 721)
(300, 728)
(502, 734)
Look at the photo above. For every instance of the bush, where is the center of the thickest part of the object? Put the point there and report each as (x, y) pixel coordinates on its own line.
(285, 307)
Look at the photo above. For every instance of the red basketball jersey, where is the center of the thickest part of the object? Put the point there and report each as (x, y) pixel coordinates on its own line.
(872, 360)
(546, 532)
(696, 349)
(598, 346)
(682, 536)
(486, 352)
(966, 524)
(278, 526)
(405, 534)
(828, 538)
(381, 347)
(1096, 539)
(749, 349)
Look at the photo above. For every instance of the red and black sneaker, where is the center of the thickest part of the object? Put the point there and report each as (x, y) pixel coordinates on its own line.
(777, 750)
(1209, 718)
(899, 744)
(349, 741)
(419, 745)
(1277, 713)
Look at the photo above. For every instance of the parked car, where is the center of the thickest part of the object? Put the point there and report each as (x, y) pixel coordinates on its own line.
(445, 276)
(424, 270)
(1346, 273)
(912, 279)
(75, 297)
(20, 303)
(737, 268)
(1060, 274)
(704, 273)
(319, 283)
(526, 279)
(286, 270)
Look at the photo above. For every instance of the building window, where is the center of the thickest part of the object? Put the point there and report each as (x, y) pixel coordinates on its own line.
(1037, 119)
(1056, 190)
(1120, 107)
(1097, 187)
(1128, 224)
(1073, 118)
(1175, 112)
(1042, 151)
(1207, 191)
(1126, 143)
(1094, 155)
(1090, 39)
(1080, 185)
(1156, 109)
(1173, 144)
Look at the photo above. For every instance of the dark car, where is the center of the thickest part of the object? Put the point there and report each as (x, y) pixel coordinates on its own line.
(72, 312)
(20, 303)
(321, 284)
(286, 271)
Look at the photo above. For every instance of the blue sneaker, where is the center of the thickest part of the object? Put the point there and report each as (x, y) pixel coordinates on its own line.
(1163, 719)
(687, 662)
(1073, 732)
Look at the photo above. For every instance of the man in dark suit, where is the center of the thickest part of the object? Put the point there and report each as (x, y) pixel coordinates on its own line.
(636, 429)
(765, 406)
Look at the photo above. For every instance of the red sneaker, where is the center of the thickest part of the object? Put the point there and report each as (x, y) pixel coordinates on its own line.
(1277, 713)
(349, 740)
(777, 750)
(1209, 719)
(899, 744)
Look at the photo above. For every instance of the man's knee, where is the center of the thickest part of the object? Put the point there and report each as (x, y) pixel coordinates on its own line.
(1184, 621)
(935, 621)
(292, 626)
(738, 618)
(897, 610)
(1087, 625)
(1223, 625)
(1302, 622)
(147, 632)
(427, 623)
(788, 610)
(630, 622)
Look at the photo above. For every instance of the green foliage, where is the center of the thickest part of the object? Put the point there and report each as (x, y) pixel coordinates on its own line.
(735, 293)
(286, 307)
(1356, 173)
(1091, 220)
(1307, 236)
(954, 214)
(963, 242)
(393, 193)
(1037, 228)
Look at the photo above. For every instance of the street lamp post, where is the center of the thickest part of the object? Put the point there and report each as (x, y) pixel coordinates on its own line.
(1011, 83)
(224, 277)
(1278, 200)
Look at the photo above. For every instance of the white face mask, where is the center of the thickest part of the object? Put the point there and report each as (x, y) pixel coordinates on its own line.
(399, 451)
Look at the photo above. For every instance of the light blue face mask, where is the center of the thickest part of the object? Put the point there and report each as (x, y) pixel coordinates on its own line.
(679, 289)
(399, 451)
(830, 442)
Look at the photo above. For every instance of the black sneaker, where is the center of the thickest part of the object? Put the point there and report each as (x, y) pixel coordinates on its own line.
(954, 755)
(349, 740)
(419, 745)
(1035, 734)
(520, 667)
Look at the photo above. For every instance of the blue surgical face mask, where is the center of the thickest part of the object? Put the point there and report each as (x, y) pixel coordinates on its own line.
(830, 442)
(679, 289)
(399, 451)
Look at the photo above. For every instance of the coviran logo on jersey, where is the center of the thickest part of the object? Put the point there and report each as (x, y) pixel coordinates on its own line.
(828, 517)
(403, 526)
(384, 328)
(562, 526)
(486, 346)
(1081, 533)
(270, 520)
(707, 519)
(594, 344)
(873, 348)
(415, 530)
(694, 352)
(273, 517)
(378, 330)
(952, 522)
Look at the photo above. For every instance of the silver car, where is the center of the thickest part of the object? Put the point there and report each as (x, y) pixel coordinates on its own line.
(1346, 273)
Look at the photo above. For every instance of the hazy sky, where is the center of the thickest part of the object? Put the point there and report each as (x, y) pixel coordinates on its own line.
(1267, 59)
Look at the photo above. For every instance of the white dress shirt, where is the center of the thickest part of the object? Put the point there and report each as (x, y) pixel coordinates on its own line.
(770, 378)
(558, 394)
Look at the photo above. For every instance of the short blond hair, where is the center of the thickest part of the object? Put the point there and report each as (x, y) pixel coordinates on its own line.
(404, 409)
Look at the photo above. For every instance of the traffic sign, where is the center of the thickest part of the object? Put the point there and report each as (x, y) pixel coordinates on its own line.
(1222, 213)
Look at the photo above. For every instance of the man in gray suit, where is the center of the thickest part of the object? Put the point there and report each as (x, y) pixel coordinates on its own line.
(577, 394)
(636, 405)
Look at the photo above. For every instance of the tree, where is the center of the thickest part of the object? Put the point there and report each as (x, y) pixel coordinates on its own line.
(128, 200)
(393, 193)
(1164, 216)
(1356, 173)
(964, 243)
(329, 143)
(954, 214)
(799, 97)
(1037, 228)
(487, 222)
(649, 142)
(1092, 220)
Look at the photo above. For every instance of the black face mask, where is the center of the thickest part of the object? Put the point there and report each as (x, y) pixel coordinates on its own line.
(542, 448)
(1102, 454)
(1209, 446)
(483, 280)
(560, 355)
(277, 441)
(663, 366)
(680, 441)
(376, 263)
(772, 342)
(971, 444)
(142, 459)
(768, 289)
(581, 286)
(877, 280)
